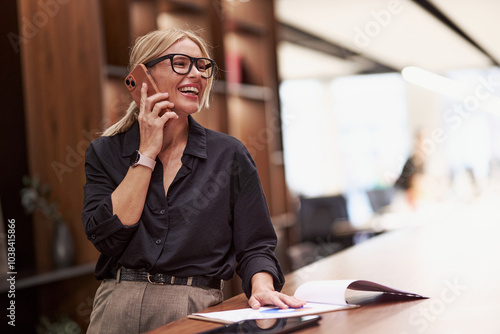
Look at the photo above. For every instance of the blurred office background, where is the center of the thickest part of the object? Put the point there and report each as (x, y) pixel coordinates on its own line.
(330, 97)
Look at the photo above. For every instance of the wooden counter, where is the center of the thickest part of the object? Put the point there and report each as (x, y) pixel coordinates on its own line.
(453, 258)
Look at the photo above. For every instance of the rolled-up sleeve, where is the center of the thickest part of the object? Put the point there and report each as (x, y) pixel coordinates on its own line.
(254, 235)
(102, 228)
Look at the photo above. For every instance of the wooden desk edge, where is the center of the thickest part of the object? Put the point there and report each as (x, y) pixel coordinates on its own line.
(197, 325)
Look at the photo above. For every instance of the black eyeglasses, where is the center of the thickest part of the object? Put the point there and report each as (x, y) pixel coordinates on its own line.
(182, 64)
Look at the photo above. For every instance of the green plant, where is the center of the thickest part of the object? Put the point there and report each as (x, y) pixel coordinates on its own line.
(37, 196)
(63, 325)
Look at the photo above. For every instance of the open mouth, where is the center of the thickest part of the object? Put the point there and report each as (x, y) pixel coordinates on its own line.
(190, 90)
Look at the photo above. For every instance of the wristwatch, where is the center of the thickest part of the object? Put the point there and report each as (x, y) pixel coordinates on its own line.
(139, 159)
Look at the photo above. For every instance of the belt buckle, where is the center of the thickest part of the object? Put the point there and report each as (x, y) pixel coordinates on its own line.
(156, 283)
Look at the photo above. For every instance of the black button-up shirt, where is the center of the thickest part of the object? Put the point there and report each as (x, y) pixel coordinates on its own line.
(214, 214)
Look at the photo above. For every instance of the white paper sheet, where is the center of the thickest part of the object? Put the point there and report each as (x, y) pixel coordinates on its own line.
(269, 312)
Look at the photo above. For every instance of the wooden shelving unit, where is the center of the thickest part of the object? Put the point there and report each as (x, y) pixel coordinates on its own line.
(50, 277)
(252, 91)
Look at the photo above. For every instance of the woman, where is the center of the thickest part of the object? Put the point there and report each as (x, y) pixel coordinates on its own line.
(172, 206)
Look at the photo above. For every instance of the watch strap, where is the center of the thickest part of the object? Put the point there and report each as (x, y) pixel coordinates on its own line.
(144, 161)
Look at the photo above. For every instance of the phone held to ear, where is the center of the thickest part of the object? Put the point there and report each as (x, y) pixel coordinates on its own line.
(269, 326)
(134, 81)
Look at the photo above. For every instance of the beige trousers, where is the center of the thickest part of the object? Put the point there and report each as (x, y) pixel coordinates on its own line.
(138, 307)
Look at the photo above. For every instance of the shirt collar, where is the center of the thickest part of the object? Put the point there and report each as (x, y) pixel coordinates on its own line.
(196, 144)
(197, 139)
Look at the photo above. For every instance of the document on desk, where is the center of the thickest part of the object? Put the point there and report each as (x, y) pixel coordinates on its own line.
(228, 317)
(321, 297)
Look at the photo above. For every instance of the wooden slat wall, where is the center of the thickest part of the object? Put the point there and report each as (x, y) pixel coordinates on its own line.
(116, 29)
(62, 74)
(281, 203)
(251, 35)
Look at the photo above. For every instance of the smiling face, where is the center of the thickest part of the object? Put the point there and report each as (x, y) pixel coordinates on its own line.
(185, 91)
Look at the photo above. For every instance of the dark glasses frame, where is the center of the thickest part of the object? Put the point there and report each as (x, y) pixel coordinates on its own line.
(194, 60)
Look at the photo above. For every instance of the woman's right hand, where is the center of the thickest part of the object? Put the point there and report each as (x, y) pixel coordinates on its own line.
(151, 124)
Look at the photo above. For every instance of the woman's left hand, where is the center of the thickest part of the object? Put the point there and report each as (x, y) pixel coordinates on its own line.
(263, 293)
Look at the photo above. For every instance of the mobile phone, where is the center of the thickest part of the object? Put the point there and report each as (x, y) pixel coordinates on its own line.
(134, 81)
(269, 326)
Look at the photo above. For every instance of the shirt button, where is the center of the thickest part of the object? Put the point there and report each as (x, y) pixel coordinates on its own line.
(158, 241)
(162, 212)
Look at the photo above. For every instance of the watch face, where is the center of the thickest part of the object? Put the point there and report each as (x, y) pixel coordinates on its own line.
(134, 158)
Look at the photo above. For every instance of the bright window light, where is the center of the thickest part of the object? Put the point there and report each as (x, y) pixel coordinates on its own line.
(476, 95)
(345, 134)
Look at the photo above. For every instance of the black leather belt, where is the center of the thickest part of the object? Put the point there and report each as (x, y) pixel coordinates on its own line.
(141, 275)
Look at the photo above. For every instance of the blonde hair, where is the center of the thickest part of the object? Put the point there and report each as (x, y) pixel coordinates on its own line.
(147, 48)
